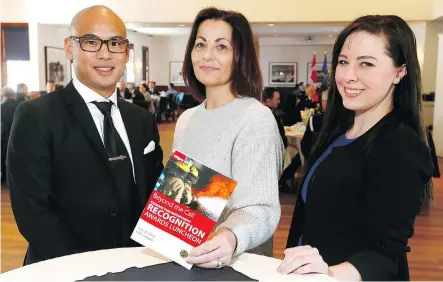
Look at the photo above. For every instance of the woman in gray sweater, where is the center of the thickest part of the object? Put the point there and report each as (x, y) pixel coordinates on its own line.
(233, 133)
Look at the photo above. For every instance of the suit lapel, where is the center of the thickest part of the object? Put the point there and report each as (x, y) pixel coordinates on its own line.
(132, 125)
(78, 109)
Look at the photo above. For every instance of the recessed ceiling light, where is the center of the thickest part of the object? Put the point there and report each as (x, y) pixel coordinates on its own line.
(275, 34)
(181, 25)
(335, 30)
(271, 24)
(330, 35)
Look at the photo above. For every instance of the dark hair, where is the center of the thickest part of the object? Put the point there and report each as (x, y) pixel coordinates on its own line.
(58, 86)
(246, 78)
(268, 93)
(401, 47)
(144, 85)
(20, 86)
(171, 85)
(323, 87)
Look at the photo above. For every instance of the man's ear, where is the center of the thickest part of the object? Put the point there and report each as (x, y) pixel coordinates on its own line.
(127, 54)
(68, 48)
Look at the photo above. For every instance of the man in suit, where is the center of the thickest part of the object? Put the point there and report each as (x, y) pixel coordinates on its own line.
(152, 88)
(22, 93)
(135, 94)
(8, 108)
(271, 99)
(122, 91)
(82, 163)
(50, 87)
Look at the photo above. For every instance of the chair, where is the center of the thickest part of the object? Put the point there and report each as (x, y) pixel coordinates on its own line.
(143, 104)
(172, 106)
(162, 109)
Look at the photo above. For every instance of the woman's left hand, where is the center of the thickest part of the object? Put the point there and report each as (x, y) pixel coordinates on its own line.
(216, 252)
(303, 260)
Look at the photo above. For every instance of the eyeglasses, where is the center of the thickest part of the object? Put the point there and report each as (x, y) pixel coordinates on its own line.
(94, 44)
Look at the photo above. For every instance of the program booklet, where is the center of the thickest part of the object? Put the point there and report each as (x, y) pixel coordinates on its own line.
(183, 208)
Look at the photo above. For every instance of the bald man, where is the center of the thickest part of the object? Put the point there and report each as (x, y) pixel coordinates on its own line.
(82, 163)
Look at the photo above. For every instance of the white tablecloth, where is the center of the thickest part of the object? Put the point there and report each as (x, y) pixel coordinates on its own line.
(294, 137)
(80, 266)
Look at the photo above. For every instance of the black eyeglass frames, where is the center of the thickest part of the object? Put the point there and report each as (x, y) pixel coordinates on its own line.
(94, 44)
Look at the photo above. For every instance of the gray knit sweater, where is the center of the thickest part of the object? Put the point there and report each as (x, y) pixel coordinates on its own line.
(240, 140)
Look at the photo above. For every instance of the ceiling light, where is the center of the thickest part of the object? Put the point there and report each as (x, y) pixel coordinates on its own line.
(330, 35)
(271, 24)
(181, 25)
(275, 34)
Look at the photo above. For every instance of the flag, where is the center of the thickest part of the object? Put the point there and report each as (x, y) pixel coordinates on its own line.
(324, 69)
(313, 70)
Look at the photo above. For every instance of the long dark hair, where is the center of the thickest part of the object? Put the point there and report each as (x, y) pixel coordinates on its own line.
(401, 47)
(246, 78)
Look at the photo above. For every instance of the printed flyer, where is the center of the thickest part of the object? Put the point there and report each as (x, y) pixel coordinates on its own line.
(183, 208)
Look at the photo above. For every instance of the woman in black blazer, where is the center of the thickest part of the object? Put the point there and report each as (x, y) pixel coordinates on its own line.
(369, 174)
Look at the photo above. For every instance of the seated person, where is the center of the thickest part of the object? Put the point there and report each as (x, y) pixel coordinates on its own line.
(271, 99)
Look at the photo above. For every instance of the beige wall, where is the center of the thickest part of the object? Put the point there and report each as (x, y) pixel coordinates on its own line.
(294, 53)
(179, 11)
(438, 111)
(162, 50)
(430, 55)
(438, 9)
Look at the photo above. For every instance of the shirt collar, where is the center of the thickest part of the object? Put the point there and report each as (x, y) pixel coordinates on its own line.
(90, 95)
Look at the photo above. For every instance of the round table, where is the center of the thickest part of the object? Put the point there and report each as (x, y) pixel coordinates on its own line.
(294, 137)
(80, 266)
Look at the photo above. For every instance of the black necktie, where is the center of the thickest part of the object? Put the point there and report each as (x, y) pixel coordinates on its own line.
(110, 134)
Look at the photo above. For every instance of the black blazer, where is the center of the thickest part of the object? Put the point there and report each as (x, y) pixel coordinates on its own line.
(60, 179)
(280, 126)
(127, 95)
(21, 97)
(310, 137)
(7, 114)
(362, 201)
(137, 96)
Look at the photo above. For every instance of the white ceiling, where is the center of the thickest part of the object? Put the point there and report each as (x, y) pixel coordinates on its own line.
(262, 30)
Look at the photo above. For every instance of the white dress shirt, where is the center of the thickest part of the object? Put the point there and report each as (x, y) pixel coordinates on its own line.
(90, 96)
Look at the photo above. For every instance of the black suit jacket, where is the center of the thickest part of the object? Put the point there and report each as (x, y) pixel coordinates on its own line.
(62, 186)
(7, 114)
(127, 95)
(362, 201)
(310, 136)
(280, 126)
(137, 96)
(21, 97)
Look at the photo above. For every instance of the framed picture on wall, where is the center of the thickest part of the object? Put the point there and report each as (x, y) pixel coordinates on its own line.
(176, 73)
(283, 74)
(318, 68)
(57, 66)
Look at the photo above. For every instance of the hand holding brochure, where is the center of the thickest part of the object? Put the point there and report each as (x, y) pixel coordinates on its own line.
(183, 209)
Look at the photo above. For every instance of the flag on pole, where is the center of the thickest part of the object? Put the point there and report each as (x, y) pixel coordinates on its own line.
(324, 68)
(313, 70)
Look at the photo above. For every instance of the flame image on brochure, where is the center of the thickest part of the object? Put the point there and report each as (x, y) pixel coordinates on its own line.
(183, 208)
